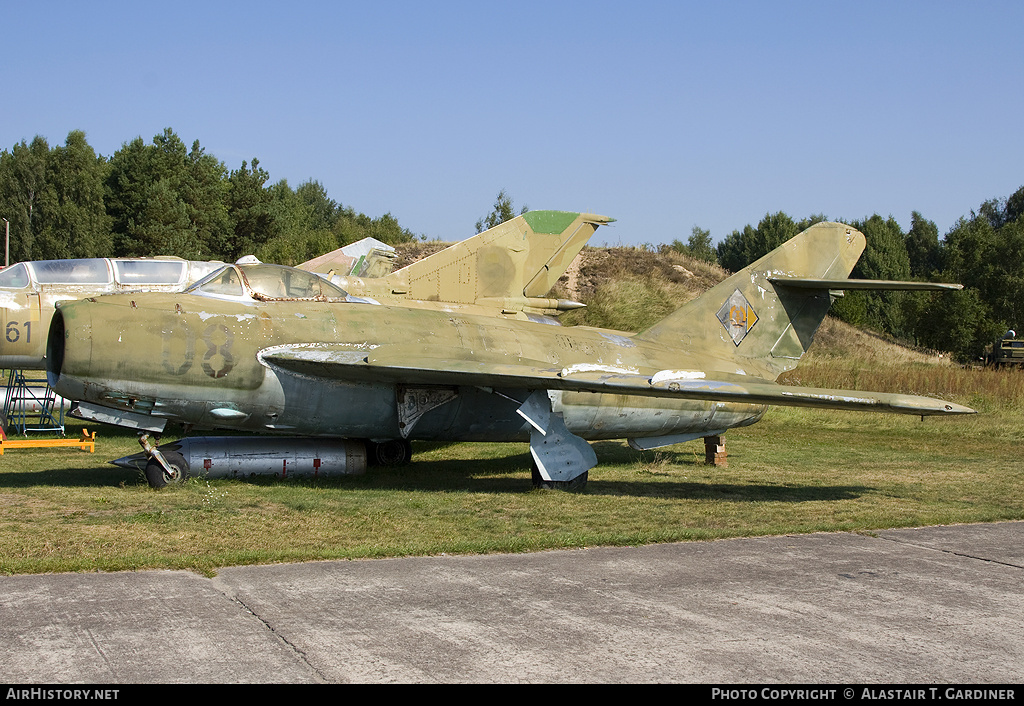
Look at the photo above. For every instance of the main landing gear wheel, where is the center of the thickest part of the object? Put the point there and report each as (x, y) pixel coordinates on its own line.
(158, 476)
(393, 452)
(575, 485)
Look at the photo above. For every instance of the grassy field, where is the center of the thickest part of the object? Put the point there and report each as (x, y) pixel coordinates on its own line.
(796, 471)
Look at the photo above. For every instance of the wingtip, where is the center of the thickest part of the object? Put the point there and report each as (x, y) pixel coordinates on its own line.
(943, 408)
(959, 409)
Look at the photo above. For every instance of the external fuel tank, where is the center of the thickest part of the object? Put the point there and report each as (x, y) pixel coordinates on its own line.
(240, 456)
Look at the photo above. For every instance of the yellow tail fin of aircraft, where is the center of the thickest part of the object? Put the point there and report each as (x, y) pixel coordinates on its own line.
(509, 268)
(315, 363)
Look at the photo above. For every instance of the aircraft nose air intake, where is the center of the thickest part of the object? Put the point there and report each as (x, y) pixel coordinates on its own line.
(55, 349)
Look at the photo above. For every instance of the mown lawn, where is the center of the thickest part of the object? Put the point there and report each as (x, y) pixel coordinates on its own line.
(796, 471)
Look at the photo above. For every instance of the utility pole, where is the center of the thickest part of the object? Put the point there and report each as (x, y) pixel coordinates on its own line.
(7, 243)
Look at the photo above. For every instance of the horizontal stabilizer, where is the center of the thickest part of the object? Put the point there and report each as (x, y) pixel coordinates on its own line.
(379, 367)
(849, 284)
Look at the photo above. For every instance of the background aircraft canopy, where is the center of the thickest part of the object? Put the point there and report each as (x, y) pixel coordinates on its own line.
(89, 271)
(126, 273)
(149, 271)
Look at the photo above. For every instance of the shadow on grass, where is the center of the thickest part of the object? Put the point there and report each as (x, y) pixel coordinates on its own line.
(504, 473)
(84, 477)
(731, 492)
(510, 474)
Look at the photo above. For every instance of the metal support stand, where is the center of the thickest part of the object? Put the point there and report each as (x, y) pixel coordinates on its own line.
(31, 405)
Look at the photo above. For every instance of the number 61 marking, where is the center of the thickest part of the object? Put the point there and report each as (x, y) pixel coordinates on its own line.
(13, 334)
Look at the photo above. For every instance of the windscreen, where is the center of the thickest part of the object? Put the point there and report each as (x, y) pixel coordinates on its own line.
(14, 277)
(223, 281)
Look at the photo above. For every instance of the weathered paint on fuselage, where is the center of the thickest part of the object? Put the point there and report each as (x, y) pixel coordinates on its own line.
(24, 320)
(195, 360)
(26, 309)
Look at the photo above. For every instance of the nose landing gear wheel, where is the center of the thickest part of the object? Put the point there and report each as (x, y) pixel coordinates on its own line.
(158, 476)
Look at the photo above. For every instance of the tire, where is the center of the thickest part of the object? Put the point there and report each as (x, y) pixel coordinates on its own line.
(394, 452)
(159, 478)
(576, 485)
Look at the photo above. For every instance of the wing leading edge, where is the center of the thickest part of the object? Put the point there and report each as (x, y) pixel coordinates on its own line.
(866, 284)
(335, 363)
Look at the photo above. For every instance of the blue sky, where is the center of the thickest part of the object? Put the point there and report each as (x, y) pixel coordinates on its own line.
(663, 115)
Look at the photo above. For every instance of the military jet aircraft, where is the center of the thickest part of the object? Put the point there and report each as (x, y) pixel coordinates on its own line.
(504, 271)
(274, 350)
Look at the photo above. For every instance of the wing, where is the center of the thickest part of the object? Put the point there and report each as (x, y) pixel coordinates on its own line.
(870, 284)
(335, 363)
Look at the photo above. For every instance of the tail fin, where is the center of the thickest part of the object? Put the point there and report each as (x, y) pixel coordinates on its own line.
(368, 257)
(756, 320)
(510, 264)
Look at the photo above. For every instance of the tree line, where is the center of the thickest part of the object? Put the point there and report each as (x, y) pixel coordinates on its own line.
(162, 198)
(983, 251)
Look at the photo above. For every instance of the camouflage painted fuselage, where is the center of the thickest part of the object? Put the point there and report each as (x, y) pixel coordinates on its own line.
(204, 362)
(29, 291)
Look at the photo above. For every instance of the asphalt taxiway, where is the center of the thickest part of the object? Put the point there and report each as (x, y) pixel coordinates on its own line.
(929, 605)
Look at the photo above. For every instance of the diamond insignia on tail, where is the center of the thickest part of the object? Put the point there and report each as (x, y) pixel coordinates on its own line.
(738, 316)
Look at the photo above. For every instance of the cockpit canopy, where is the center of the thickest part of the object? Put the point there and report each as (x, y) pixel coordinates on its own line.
(266, 283)
(117, 274)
